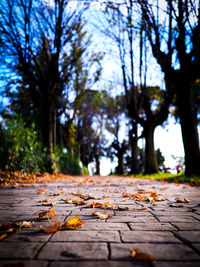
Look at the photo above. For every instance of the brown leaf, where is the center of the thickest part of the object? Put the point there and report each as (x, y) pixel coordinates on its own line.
(46, 212)
(50, 229)
(178, 200)
(138, 255)
(176, 205)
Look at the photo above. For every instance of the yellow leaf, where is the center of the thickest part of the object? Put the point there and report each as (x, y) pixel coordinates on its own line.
(73, 224)
(2, 236)
(26, 224)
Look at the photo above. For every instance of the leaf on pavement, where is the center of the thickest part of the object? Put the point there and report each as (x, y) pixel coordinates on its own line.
(178, 200)
(73, 224)
(41, 191)
(47, 202)
(139, 255)
(77, 201)
(176, 205)
(100, 215)
(44, 214)
(50, 229)
(25, 224)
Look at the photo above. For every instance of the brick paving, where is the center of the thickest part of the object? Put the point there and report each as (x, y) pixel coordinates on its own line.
(170, 234)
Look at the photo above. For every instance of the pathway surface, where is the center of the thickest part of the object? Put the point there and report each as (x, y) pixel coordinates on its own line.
(155, 222)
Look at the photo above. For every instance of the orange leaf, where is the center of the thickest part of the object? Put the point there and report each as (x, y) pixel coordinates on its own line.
(2, 236)
(138, 255)
(50, 229)
(46, 212)
(73, 224)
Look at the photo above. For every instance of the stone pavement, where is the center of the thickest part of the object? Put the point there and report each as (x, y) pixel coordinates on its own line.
(167, 229)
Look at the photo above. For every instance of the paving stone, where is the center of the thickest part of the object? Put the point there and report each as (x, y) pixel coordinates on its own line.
(192, 236)
(159, 251)
(187, 226)
(27, 235)
(130, 263)
(176, 218)
(19, 250)
(155, 226)
(74, 251)
(177, 264)
(86, 236)
(155, 236)
(136, 219)
(22, 263)
(104, 226)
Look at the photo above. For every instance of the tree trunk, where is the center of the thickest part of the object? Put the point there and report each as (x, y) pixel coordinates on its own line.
(189, 129)
(97, 165)
(120, 167)
(150, 164)
(133, 138)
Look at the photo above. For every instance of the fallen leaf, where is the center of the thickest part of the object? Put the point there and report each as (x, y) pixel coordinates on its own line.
(100, 215)
(2, 236)
(176, 205)
(73, 224)
(41, 191)
(50, 229)
(138, 255)
(25, 224)
(55, 194)
(141, 208)
(178, 200)
(77, 201)
(46, 212)
(47, 202)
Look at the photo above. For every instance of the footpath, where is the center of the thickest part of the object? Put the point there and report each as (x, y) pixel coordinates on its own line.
(124, 222)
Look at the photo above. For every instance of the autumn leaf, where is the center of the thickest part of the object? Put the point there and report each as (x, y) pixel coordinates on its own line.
(41, 191)
(47, 202)
(141, 208)
(176, 205)
(2, 236)
(50, 229)
(139, 197)
(73, 224)
(55, 194)
(25, 224)
(100, 215)
(127, 195)
(138, 255)
(77, 201)
(178, 200)
(46, 212)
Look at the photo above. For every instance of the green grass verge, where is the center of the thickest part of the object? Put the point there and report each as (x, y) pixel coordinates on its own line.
(169, 177)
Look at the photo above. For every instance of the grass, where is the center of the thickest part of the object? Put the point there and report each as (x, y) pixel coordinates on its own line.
(169, 177)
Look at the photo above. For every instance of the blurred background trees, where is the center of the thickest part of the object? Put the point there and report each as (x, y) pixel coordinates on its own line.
(62, 116)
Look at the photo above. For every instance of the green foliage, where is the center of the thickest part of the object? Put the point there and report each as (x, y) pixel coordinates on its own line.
(21, 149)
(66, 163)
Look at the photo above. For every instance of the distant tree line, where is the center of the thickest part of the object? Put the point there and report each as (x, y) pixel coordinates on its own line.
(55, 118)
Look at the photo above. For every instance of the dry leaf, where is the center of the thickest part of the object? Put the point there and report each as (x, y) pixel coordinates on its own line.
(50, 229)
(2, 236)
(178, 200)
(41, 191)
(46, 212)
(47, 202)
(73, 224)
(77, 201)
(141, 208)
(55, 194)
(138, 255)
(25, 224)
(103, 215)
(176, 205)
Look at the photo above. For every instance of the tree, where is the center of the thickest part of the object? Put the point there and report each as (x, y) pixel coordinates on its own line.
(176, 47)
(140, 100)
(35, 45)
